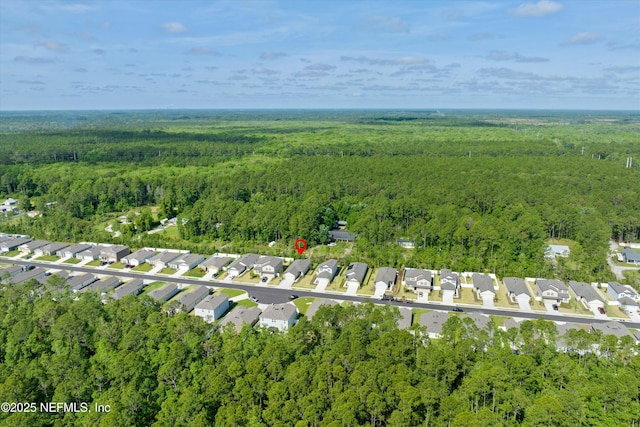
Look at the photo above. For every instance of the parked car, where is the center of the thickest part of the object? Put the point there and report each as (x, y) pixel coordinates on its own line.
(254, 299)
(602, 310)
(458, 309)
(264, 279)
(293, 296)
(555, 307)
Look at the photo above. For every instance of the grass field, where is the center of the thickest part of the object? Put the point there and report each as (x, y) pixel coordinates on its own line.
(49, 258)
(230, 292)
(168, 271)
(195, 272)
(303, 304)
(72, 261)
(94, 263)
(143, 268)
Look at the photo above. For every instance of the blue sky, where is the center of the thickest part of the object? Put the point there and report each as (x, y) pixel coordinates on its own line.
(143, 54)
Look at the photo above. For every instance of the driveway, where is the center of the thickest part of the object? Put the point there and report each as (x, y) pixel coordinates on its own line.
(352, 289)
(549, 306)
(487, 302)
(447, 299)
(322, 285)
(286, 283)
(524, 306)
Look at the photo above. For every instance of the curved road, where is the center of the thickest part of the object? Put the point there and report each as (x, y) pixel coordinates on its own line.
(272, 295)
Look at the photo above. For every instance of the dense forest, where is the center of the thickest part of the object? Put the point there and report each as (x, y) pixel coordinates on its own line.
(348, 366)
(476, 191)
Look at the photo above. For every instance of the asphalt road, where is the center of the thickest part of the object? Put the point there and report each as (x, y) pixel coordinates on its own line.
(272, 295)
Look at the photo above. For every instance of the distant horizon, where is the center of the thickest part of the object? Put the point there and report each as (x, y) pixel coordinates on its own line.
(86, 55)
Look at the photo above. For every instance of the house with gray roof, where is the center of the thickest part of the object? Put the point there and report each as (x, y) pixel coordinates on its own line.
(355, 273)
(138, 257)
(612, 328)
(628, 305)
(191, 298)
(242, 265)
(11, 271)
(31, 246)
(163, 259)
(279, 316)
(76, 283)
(511, 323)
(449, 282)
(406, 317)
(480, 320)
(36, 273)
(433, 321)
(517, 289)
(418, 280)
(483, 286)
(326, 271)
(341, 236)
(316, 304)
(385, 279)
(186, 261)
(212, 307)
(12, 244)
(586, 294)
(631, 256)
(618, 291)
(114, 253)
(72, 251)
(241, 316)
(215, 264)
(134, 287)
(268, 266)
(164, 293)
(50, 249)
(553, 251)
(553, 290)
(90, 254)
(103, 285)
(297, 269)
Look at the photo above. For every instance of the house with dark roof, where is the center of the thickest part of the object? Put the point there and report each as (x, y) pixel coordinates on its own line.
(242, 265)
(326, 272)
(72, 251)
(36, 273)
(215, 264)
(186, 261)
(355, 273)
(164, 293)
(13, 244)
(341, 236)
(212, 307)
(517, 289)
(630, 256)
(188, 300)
(279, 316)
(90, 254)
(103, 285)
(483, 286)
(316, 304)
(612, 328)
(297, 269)
(628, 305)
(134, 287)
(385, 279)
(433, 321)
(30, 247)
(618, 291)
(241, 316)
(449, 283)
(114, 253)
(162, 259)
(418, 280)
(552, 290)
(76, 283)
(137, 258)
(586, 294)
(268, 266)
(50, 249)
(406, 318)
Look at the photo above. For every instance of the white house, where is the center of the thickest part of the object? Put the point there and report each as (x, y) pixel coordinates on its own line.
(297, 269)
(553, 290)
(355, 273)
(517, 290)
(326, 272)
(449, 283)
(385, 279)
(618, 291)
(586, 294)
(193, 297)
(483, 286)
(242, 265)
(137, 258)
(418, 280)
(186, 261)
(557, 251)
(215, 264)
(212, 307)
(279, 316)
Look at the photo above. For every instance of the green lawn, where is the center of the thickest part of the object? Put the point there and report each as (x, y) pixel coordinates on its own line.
(49, 258)
(72, 261)
(231, 292)
(153, 286)
(144, 268)
(168, 271)
(195, 272)
(94, 263)
(11, 253)
(303, 304)
(305, 282)
(245, 303)
(117, 265)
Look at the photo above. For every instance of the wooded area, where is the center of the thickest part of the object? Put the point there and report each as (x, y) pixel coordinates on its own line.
(476, 191)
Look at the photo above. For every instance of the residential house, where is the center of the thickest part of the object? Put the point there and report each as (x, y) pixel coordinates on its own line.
(297, 269)
(137, 258)
(406, 317)
(406, 243)
(483, 286)
(103, 285)
(553, 290)
(9, 272)
(517, 290)
(10, 202)
(341, 236)
(36, 273)
(628, 305)
(13, 244)
(72, 251)
(479, 320)
(385, 279)
(241, 316)
(418, 280)
(553, 251)
(618, 291)
(449, 283)
(114, 253)
(164, 293)
(190, 299)
(29, 247)
(268, 266)
(586, 294)
(433, 321)
(510, 323)
(631, 256)
(355, 273)
(212, 307)
(326, 272)
(133, 287)
(76, 283)
(62, 274)
(186, 261)
(562, 343)
(90, 254)
(50, 249)
(279, 316)
(316, 304)
(612, 328)
(162, 259)
(215, 264)
(242, 265)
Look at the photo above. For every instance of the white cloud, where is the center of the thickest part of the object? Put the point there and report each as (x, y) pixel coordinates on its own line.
(174, 28)
(52, 45)
(541, 8)
(584, 38)
(406, 60)
(497, 55)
